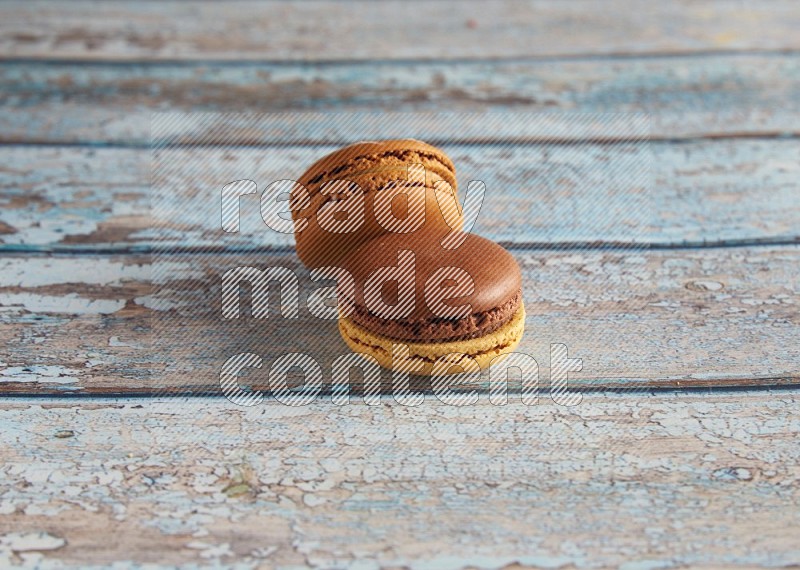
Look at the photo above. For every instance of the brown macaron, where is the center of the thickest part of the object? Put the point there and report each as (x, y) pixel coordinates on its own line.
(366, 190)
(410, 290)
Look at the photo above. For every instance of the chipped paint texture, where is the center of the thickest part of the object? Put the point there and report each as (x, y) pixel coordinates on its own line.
(696, 317)
(494, 30)
(705, 191)
(36, 373)
(39, 272)
(650, 481)
(636, 480)
(57, 304)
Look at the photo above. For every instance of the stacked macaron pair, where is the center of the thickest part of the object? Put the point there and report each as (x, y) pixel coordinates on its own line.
(442, 305)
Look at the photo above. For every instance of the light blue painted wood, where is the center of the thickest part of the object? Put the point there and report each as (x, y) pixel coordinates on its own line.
(322, 482)
(705, 317)
(693, 193)
(317, 30)
(685, 96)
(605, 484)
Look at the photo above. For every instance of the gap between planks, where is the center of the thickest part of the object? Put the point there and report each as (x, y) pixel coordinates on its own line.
(543, 247)
(576, 57)
(782, 135)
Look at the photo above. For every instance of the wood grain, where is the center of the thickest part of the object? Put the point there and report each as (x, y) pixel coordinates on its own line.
(703, 192)
(696, 317)
(638, 476)
(686, 97)
(318, 30)
(676, 480)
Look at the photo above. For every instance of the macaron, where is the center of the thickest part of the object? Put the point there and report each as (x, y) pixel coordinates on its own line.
(449, 305)
(369, 189)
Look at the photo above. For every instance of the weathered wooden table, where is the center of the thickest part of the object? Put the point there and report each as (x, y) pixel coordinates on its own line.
(683, 454)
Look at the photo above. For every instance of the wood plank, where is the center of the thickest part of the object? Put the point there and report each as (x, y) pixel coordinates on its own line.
(319, 30)
(639, 320)
(701, 192)
(709, 96)
(620, 481)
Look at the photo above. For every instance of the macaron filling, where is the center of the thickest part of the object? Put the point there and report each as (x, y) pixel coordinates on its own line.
(439, 329)
(397, 159)
(484, 350)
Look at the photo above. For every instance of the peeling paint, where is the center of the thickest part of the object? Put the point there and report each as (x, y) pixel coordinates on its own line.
(28, 542)
(38, 272)
(71, 303)
(49, 374)
(331, 487)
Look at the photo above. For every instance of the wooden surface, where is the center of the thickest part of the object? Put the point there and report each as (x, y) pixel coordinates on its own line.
(322, 31)
(707, 95)
(675, 318)
(685, 481)
(683, 452)
(712, 192)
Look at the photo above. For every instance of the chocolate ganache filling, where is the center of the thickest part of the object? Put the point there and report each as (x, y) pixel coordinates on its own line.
(440, 329)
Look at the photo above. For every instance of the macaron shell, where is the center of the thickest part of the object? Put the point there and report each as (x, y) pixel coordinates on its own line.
(363, 156)
(372, 171)
(494, 271)
(483, 349)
